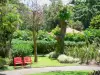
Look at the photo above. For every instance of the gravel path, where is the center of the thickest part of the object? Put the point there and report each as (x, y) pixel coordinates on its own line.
(47, 69)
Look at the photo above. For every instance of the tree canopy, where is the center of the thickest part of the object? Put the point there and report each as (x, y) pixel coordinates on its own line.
(86, 10)
(9, 19)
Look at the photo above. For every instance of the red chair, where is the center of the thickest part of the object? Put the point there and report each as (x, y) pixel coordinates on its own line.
(18, 60)
(27, 60)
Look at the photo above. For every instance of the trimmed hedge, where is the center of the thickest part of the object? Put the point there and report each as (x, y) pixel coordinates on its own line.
(21, 48)
(45, 46)
(76, 37)
(24, 48)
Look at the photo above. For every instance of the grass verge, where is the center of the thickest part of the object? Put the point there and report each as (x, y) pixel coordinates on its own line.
(65, 73)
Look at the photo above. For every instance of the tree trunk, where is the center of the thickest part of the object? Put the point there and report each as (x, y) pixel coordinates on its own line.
(60, 37)
(10, 46)
(35, 46)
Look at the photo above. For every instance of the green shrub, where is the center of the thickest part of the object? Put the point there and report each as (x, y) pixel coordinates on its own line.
(76, 60)
(69, 37)
(44, 35)
(77, 37)
(76, 25)
(2, 62)
(45, 42)
(9, 61)
(45, 46)
(95, 22)
(23, 35)
(77, 52)
(72, 43)
(67, 59)
(17, 34)
(49, 46)
(91, 34)
(95, 73)
(21, 48)
(97, 33)
(56, 31)
(4, 48)
(53, 55)
(62, 58)
(27, 35)
(84, 53)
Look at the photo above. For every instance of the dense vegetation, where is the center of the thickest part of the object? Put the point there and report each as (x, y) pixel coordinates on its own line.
(24, 31)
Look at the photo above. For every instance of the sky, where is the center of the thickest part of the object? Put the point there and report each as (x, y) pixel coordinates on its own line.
(42, 2)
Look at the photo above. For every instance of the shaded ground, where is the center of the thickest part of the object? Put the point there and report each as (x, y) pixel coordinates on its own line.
(48, 69)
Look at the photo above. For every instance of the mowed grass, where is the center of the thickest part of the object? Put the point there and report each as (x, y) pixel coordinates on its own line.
(64, 73)
(46, 62)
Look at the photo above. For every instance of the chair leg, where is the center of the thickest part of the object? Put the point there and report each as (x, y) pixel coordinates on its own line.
(14, 65)
(22, 65)
(30, 64)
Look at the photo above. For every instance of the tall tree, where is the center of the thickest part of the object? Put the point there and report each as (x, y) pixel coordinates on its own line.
(26, 16)
(37, 19)
(64, 16)
(3, 2)
(9, 18)
(50, 14)
(25, 13)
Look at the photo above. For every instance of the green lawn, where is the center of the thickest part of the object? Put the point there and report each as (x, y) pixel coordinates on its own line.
(46, 62)
(64, 73)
